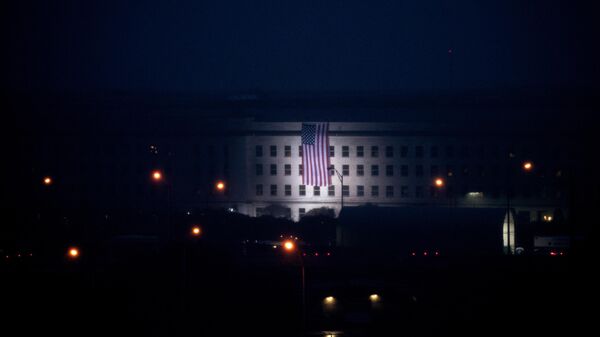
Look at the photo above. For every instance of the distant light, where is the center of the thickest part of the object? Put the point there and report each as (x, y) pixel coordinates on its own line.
(553, 253)
(329, 300)
(437, 253)
(316, 253)
(475, 194)
(157, 175)
(220, 185)
(547, 218)
(274, 246)
(413, 254)
(196, 231)
(425, 253)
(374, 298)
(288, 245)
(527, 166)
(47, 181)
(73, 253)
(439, 182)
(231, 209)
(328, 254)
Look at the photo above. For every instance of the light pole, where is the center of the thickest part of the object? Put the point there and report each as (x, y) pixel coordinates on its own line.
(341, 178)
(289, 246)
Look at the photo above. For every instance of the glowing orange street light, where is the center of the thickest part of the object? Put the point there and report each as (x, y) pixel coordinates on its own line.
(527, 166)
(289, 245)
(439, 182)
(157, 175)
(220, 186)
(47, 181)
(73, 253)
(196, 231)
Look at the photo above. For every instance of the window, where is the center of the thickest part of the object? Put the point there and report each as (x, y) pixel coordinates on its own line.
(360, 191)
(345, 151)
(360, 151)
(332, 151)
(346, 190)
(273, 151)
(287, 169)
(301, 212)
(389, 170)
(419, 170)
(331, 191)
(374, 191)
(273, 190)
(287, 151)
(259, 189)
(389, 151)
(404, 170)
(419, 151)
(389, 191)
(360, 170)
(273, 169)
(345, 170)
(434, 170)
(374, 151)
(316, 191)
(404, 191)
(300, 151)
(259, 169)
(302, 190)
(331, 170)
(288, 190)
(434, 152)
(374, 170)
(259, 151)
(404, 151)
(419, 192)
(300, 169)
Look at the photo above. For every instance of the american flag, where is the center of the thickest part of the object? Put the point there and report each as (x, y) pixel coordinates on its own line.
(315, 157)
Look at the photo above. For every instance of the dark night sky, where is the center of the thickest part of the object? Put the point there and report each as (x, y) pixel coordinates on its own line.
(299, 46)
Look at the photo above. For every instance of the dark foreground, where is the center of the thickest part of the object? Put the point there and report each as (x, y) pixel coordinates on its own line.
(217, 289)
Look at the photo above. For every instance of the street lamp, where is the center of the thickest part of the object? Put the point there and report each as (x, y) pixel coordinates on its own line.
(157, 175)
(220, 186)
(439, 182)
(341, 178)
(196, 231)
(289, 246)
(527, 166)
(73, 253)
(47, 181)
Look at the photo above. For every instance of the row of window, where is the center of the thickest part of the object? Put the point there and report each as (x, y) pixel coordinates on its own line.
(389, 151)
(419, 170)
(360, 191)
